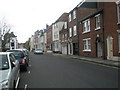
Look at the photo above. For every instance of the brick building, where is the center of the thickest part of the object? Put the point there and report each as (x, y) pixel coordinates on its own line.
(79, 12)
(99, 32)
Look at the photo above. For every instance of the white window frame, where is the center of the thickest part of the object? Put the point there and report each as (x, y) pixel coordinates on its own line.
(118, 13)
(70, 32)
(119, 41)
(97, 22)
(65, 25)
(66, 37)
(86, 26)
(87, 44)
(75, 30)
(70, 17)
(74, 14)
(63, 37)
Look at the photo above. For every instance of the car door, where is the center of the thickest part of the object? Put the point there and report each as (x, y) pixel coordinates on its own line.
(14, 69)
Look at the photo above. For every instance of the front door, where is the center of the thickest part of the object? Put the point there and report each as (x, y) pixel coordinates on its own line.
(109, 47)
(99, 48)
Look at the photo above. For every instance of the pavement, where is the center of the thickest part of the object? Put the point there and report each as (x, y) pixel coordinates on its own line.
(94, 60)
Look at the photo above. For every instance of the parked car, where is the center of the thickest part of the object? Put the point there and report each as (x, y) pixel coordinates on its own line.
(9, 71)
(21, 57)
(26, 53)
(38, 51)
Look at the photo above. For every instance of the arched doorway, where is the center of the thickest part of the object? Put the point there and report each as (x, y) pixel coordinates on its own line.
(99, 47)
(109, 47)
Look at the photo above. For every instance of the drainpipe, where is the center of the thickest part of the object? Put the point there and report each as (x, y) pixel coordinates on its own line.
(78, 35)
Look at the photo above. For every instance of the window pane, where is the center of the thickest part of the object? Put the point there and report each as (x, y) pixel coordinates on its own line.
(89, 45)
(119, 40)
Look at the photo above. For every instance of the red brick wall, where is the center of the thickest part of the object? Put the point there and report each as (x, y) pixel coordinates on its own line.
(111, 26)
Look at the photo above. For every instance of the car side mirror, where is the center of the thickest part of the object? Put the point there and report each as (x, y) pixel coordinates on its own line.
(13, 64)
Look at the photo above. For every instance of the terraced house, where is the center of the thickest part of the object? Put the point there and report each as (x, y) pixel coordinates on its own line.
(56, 28)
(78, 13)
(99, 32)
(91, 29)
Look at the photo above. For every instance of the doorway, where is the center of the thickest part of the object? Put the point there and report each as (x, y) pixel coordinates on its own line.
(109, 47)
(99, 47)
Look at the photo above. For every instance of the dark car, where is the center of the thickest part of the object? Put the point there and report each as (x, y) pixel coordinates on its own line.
(26, 53)
(21, 57)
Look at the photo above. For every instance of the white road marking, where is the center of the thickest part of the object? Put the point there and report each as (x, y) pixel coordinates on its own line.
(25, 86)
(17, 82)
(29, 65)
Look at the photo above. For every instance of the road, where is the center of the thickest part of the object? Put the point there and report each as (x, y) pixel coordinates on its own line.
(48, 71)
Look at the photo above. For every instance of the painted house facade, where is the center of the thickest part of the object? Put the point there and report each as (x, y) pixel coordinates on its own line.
(49, 38)
(56, 28)
(32, 43)
(64, 36)
(0, 40)
(13, 43)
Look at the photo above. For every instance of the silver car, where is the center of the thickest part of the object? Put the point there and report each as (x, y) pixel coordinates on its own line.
(9, 70)
(38, 51)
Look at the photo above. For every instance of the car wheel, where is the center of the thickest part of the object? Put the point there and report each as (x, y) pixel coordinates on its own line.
(25, 69)
(14, 85)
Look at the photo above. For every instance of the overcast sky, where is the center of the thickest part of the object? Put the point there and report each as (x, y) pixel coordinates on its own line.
(27, 16)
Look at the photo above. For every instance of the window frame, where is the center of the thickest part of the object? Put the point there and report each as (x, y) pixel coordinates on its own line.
(119, 42)
(97, 22)
(74, 14)
(86, 26)
(70, 32)
(118, 13)
(70, 17)
(65, 25)
(87, 44)
(75, 30)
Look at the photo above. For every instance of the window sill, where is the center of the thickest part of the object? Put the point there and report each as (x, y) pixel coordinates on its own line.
(75, 35)
(85, 32)
(86, 50)
(98, 28)
(118, 23)
(119, 52)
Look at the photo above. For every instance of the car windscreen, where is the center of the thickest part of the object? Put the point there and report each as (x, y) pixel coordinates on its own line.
(4, 64)
(17, 53)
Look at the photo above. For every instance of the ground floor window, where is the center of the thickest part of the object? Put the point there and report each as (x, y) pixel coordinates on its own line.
(87, 44)
(119, 41)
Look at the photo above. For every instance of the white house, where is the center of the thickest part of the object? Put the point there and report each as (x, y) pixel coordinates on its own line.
(13, 43)
(0, 42)
(56, 27)
(32, 43)
(41, 40)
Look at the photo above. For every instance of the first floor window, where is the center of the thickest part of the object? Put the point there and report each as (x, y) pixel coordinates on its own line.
(87, 44)
(65, 25)
(75, 31)
(118, 12)
(97, 18)
(86, 26)
(70, 32)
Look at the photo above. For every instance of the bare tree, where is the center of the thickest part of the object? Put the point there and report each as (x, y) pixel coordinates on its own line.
(4, 29)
